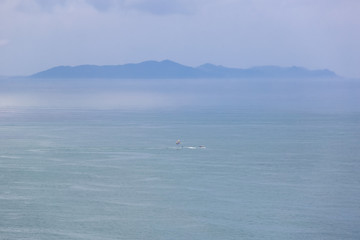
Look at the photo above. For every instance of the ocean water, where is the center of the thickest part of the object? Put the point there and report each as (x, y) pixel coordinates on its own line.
(76, 173)
(96, 159)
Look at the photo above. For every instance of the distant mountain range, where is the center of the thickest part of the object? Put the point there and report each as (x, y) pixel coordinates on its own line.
(170, 69)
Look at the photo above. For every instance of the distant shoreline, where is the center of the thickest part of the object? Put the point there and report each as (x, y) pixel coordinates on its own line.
(170, 69)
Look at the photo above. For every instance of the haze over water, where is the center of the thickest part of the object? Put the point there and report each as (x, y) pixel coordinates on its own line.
(316, 94)
(97, 159)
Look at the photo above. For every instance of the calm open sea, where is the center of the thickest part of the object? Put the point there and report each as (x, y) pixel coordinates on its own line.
(115, 174)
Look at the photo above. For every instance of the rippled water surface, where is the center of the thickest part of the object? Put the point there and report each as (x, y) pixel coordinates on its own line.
(87, 174)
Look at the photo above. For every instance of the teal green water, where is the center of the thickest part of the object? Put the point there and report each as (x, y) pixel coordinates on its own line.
(71, 174)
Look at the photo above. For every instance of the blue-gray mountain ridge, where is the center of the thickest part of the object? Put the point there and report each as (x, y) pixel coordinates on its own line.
(170, 69)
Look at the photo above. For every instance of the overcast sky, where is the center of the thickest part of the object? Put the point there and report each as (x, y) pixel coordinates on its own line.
(316, 34)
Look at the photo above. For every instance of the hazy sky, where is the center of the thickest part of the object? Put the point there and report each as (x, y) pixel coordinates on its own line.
(39, 34)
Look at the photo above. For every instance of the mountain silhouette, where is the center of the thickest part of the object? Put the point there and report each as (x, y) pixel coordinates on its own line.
(170, 69)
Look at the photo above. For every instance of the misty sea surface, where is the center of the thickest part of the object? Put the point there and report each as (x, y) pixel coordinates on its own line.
(240, 172)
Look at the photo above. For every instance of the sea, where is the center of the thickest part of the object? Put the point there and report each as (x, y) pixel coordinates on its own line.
(255, 160)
